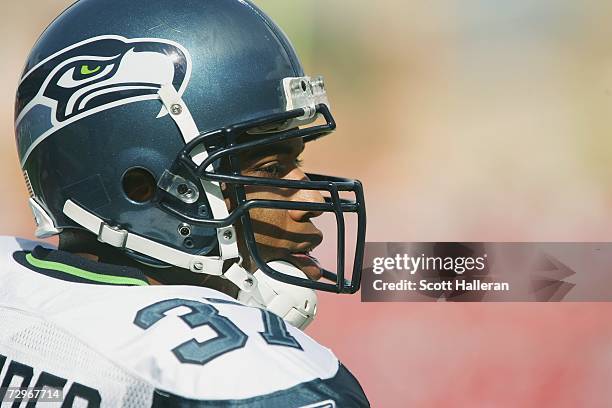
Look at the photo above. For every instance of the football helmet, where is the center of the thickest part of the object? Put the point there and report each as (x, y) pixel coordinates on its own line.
(119, 91)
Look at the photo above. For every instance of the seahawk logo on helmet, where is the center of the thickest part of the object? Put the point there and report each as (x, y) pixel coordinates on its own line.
(91, 76)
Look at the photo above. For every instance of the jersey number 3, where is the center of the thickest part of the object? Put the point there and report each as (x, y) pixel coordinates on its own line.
(229, 337)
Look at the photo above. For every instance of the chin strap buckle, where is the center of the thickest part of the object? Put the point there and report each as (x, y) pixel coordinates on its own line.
(240, 277)
(112, 235)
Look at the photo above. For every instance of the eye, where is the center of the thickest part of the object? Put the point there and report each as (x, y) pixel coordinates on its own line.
(270, 170)
(83, 73)
(277, 169)
(87, 70)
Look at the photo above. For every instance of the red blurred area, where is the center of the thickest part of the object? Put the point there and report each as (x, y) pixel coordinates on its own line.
(472, 355)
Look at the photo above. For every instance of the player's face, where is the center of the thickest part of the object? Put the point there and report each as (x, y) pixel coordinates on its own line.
(286, 235)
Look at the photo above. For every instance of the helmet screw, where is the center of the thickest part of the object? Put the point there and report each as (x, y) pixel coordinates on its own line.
(176, 109)
(248, 283)
(228, 235)
(182, 189)
(184, 229)
(198, 266)
(185, 191)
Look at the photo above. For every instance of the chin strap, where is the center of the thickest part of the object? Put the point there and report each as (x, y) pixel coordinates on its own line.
(123, 239)
(297, 305)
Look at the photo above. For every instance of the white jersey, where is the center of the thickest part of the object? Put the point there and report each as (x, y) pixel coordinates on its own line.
(103, 336)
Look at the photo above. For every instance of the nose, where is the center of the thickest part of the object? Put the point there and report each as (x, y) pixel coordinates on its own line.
(311, 196)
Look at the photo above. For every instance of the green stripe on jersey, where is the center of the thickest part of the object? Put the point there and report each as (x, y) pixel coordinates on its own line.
(92, 276)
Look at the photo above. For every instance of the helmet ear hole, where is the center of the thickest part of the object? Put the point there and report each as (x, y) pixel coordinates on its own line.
(138, 184)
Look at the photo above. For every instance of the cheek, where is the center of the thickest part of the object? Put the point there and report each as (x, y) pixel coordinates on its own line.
(268, 224)
(266, 221)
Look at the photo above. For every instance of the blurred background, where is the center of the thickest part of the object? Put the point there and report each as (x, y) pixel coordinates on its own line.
(466, 121)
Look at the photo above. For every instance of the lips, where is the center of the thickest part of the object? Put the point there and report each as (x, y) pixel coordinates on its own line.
(307, 263)
(305, 257)
(294, 247)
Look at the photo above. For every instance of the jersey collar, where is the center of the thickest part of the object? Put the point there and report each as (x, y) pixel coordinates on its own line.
(73, 268)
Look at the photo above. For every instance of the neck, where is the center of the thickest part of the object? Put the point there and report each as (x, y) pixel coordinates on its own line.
(91, 257)
(85, 244)
(171, 275)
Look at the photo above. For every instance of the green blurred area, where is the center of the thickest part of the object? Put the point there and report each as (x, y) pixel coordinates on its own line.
(472, 120)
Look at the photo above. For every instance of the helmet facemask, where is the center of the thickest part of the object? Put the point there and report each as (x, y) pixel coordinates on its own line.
(222, 165)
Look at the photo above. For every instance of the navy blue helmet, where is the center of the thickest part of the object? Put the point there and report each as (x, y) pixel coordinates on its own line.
(116, 91)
